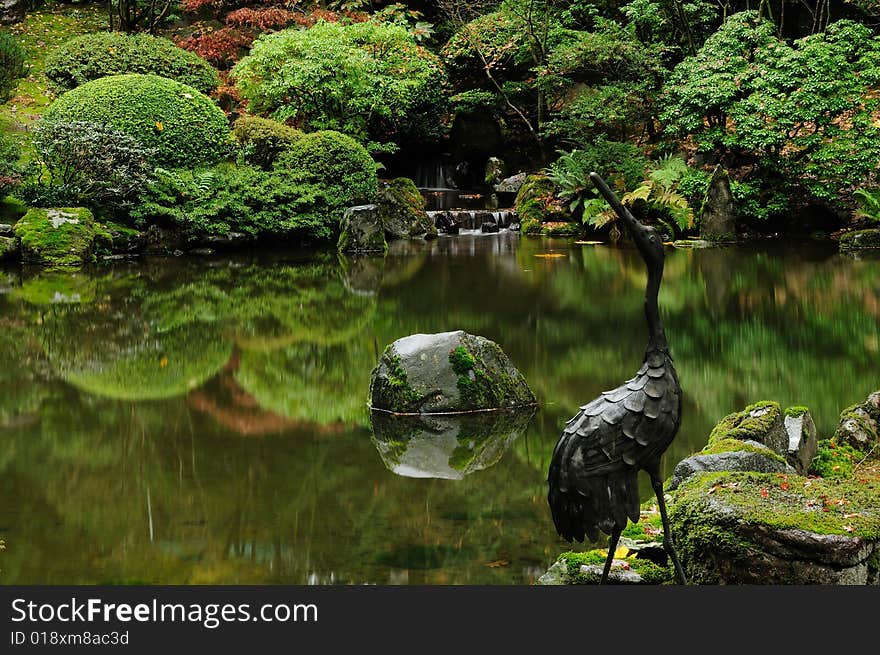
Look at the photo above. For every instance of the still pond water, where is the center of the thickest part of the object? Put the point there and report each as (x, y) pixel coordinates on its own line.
(203, 420)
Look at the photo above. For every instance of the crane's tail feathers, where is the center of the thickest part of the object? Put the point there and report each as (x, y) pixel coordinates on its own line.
(597, 504)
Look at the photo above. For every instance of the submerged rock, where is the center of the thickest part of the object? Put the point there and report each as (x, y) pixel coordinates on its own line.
(446, 372)
(759, 528)
(362, 230)
(446, 446)
(860, 240)
(57, 237)
(803, 441)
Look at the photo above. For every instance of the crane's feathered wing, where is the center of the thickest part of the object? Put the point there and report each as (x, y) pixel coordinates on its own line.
(593, 477)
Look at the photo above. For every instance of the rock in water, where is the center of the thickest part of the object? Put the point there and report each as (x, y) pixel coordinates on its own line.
(860, 240)
(58, 237)
(744, 456)
(718, 222)
(803, 443)
(402, 210)
(446, 372)
(362, 230)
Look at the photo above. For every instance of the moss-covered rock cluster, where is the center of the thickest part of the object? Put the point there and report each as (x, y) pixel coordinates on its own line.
(540, 211)
(860, 240)
(402, 210)
(446, 372)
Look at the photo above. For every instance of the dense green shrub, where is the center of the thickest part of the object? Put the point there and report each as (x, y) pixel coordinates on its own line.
(9, 171)
(91, 56)
(302, 197)
(12, 64)
(335, 162)
(86, 164)
(181, 125)
(261, 139)
(369, 80)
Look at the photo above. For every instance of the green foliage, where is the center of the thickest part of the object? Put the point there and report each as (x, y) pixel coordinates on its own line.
(86, 164)
(802, 112)
(302, 197)
(57, 237)
(658, 195)
(10, 152)
(91, 56)
(621, 164)
(182, 126)
(12, 64)
(536, 201)
(336, 162)
(262, 140)
(869, 203)
(370, 80)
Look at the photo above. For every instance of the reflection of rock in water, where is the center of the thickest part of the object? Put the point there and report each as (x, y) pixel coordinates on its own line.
(362, 274)
(446, 446)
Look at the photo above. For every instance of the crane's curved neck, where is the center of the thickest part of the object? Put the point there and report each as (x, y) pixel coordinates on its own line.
(656, 335)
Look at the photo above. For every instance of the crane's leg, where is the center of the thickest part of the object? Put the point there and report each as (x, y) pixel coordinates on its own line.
(668, 544)
(612, 547)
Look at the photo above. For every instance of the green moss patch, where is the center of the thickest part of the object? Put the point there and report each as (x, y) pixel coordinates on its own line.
(651, 573)
(57, 237)
(745, 425)
(482, 383)
(860, 240)
(729, 444)
(835, 460)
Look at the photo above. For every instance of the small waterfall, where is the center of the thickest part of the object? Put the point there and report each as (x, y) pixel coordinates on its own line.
(431, 174)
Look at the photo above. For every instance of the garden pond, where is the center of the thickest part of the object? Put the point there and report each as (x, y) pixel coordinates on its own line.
(203, 420)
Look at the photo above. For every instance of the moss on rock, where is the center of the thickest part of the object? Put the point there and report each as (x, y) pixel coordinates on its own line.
(649, 572)
(860, 240)
(728, 445)
(761, 422)
(739, 527)
(402, 210)
(835, 460)
(57, 237)
(536, 201)
(8, 248)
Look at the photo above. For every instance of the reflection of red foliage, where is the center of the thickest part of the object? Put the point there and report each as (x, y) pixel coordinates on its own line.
(273, 18)
(222, 47)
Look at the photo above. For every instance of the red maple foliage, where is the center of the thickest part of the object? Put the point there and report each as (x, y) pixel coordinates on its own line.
(221, 47)
(271, 18)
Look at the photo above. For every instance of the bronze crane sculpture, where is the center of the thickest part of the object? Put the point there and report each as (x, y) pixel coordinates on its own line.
(593, 475)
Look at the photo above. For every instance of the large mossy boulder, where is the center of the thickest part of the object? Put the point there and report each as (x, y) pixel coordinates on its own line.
(362, 231)
(402, 210)
(446, 446)
(57, 237)
(860, 240)
(446, 372)
(729, 455)
(718, 215)
(770, 528)
(536, 202)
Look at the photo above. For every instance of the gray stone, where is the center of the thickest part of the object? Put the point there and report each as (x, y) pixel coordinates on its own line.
(362, 230)
(6, 230)
(617, 574)
(446, 446)
(9, 248)
(230, 241)
(734, 460)
(803, 443)
(446, 372)
(496, 170)
(402, 210)
(761, 422)
(489, 227)
(718, 218)
(557, 574)
(859, 425)
(511, 184)
(12, 11)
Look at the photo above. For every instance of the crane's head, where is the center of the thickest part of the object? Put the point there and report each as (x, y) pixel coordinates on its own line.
(647, 240)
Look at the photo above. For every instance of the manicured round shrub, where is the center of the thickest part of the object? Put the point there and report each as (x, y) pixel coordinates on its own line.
(370, 80)
(91, 56)
(261, 140)
(337, 163)
(11, 64)
(182, 126)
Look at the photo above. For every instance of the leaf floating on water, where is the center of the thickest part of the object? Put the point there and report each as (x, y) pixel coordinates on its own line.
(549, 255)
(588, 243)
(497, 563)
(163, 362)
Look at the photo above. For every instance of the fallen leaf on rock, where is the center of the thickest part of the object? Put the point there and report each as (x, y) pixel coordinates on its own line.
(765, 494)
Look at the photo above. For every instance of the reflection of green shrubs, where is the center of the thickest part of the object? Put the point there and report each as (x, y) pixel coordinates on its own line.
(183, 126)
(90, 56)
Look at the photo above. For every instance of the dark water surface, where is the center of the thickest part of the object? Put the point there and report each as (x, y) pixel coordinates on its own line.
(203, 420)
